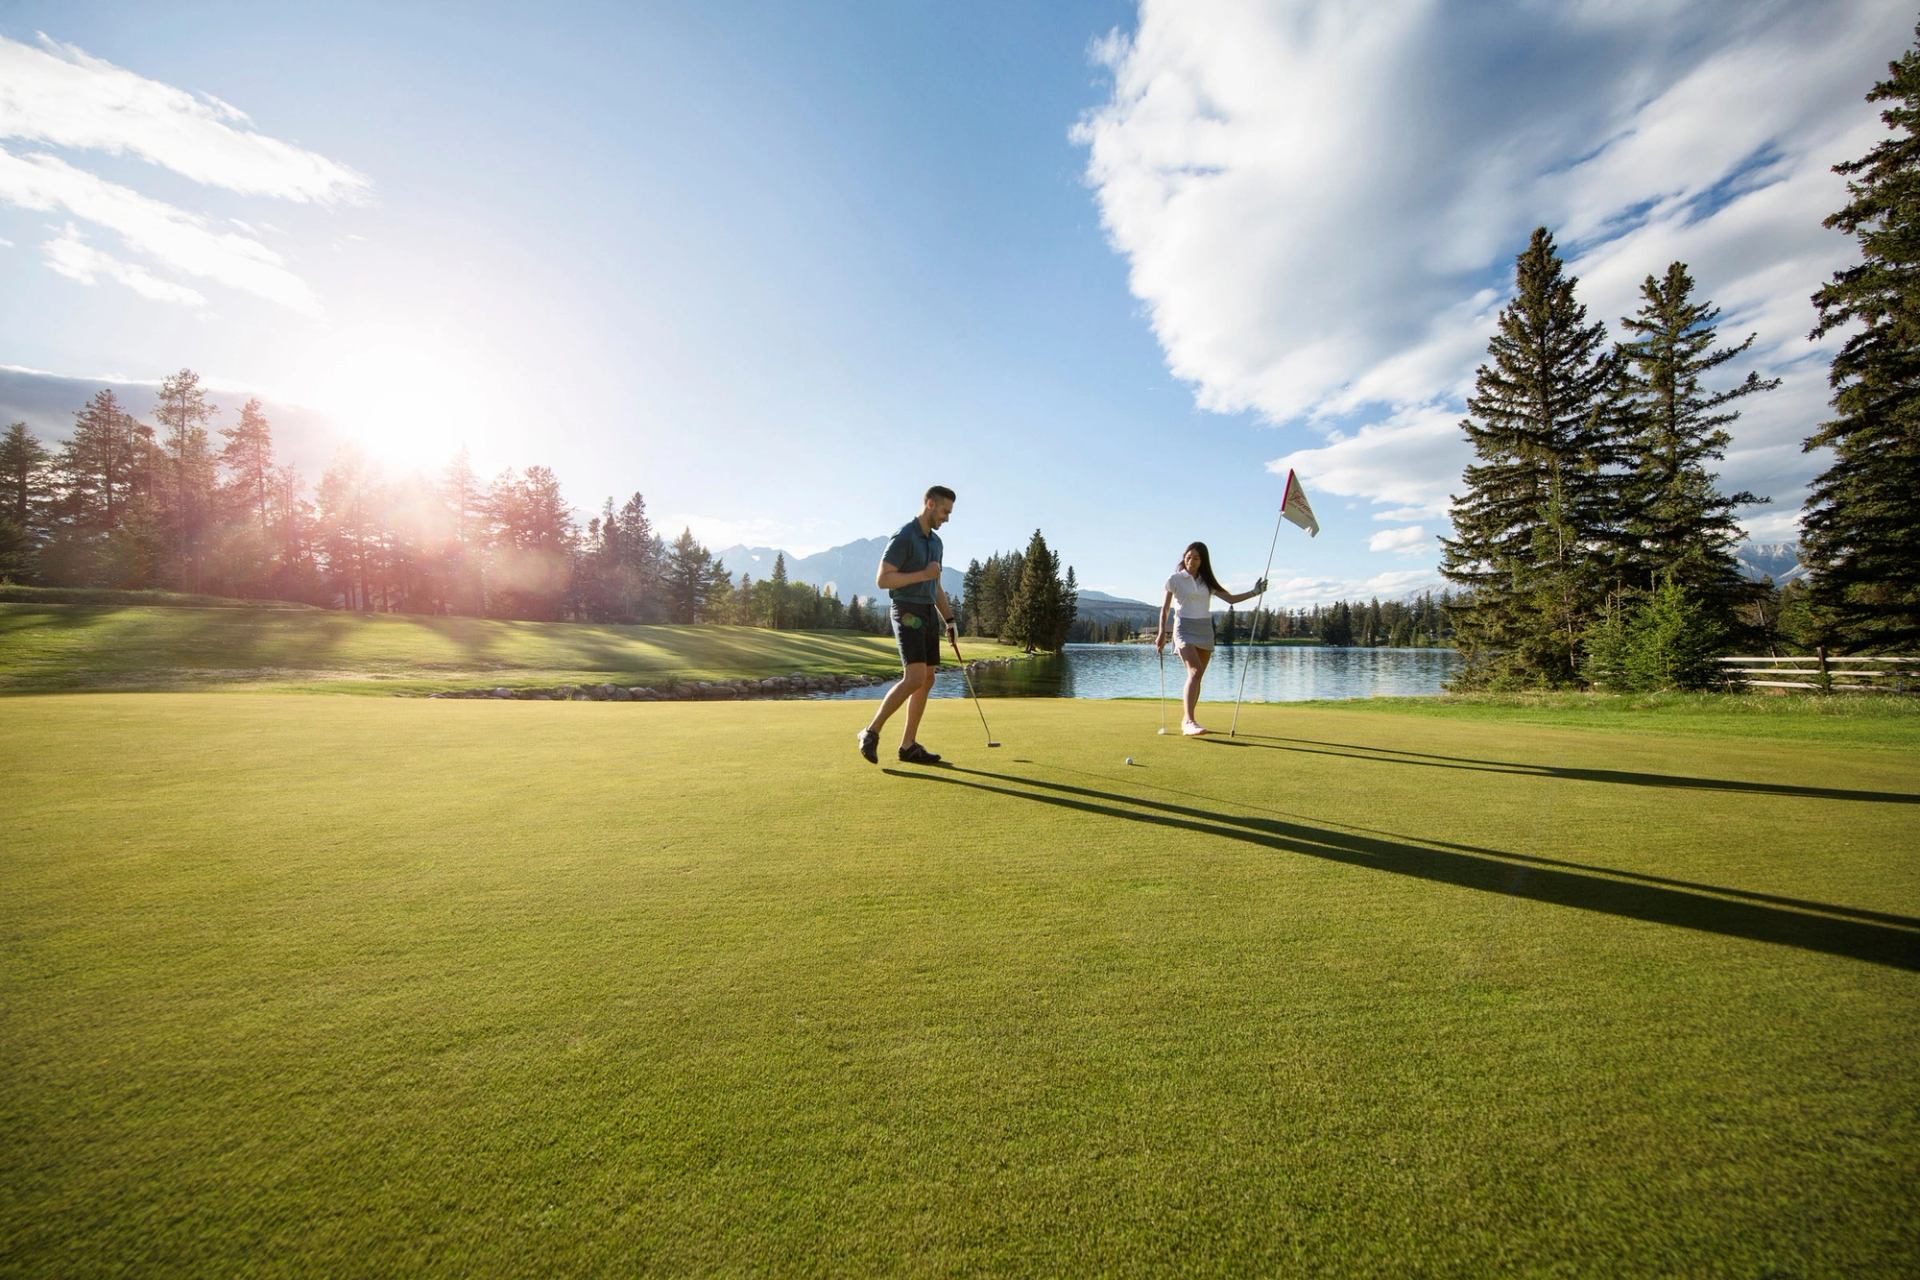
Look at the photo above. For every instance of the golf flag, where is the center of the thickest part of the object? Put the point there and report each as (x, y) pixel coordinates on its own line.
(1294, 507)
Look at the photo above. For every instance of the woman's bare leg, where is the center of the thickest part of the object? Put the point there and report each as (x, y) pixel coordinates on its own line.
(1196, 660)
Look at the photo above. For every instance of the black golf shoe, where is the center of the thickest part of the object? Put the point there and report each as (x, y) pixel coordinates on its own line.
(870, 746)
(917, 754)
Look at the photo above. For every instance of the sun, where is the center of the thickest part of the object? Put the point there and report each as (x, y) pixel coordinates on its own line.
(409, 396)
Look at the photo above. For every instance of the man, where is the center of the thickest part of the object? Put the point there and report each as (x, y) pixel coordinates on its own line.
(910, 573)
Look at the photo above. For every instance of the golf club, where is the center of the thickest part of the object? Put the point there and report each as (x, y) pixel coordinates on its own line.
(1163, 692)
(954, 639)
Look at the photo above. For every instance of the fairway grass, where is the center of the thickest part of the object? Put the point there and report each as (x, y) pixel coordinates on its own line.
(55, 648)
(407, 987)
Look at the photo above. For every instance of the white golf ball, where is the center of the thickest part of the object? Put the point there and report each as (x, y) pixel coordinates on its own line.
(1129, 759)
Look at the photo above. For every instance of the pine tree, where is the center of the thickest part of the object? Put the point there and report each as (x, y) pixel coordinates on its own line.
(24, 502)
(714, 592)
(1336, 626)
(617, 578)
(183, 413)
(778, 590)
(96, 464)
(971, 586)
(640, 561)
(1025, 623)
(1680, 527)
(248, 457)
(1541, 502)
(1860, 536)
(532, 545)
(1038, 617)
(241, 520)
(1000, 580)
(1069, 609)
(687, 578)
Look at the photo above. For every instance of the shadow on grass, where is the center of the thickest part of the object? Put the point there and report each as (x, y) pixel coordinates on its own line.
(1393, 755)
(1878, 939)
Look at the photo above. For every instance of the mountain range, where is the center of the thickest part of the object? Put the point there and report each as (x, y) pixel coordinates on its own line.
(1775, 562)
(848, 568)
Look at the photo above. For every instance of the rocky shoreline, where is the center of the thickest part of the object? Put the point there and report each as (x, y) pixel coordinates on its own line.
(796, 685)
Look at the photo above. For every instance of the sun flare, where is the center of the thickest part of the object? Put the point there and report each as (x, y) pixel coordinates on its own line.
(409, 396)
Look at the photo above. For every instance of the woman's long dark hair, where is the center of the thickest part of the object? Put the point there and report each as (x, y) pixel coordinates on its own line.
(1206, 567)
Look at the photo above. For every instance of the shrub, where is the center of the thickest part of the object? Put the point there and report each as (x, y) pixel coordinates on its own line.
(1663, 639)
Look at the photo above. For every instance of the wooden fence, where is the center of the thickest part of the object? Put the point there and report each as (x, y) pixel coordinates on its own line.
(1823, 673)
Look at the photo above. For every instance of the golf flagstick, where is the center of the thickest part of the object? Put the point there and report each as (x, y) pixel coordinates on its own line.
(1248, 661)
(1294, 507)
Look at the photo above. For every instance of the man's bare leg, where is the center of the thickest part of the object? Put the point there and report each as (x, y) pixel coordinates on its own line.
(915, 678)
(917, 705)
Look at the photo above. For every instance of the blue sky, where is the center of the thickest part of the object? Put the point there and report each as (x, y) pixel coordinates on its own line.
(1106, 270)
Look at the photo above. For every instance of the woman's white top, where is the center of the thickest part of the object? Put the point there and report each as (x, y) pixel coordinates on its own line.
(1192, 601)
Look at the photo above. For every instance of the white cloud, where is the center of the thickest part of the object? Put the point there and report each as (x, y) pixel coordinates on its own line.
(1412, 458)
(1412, 541)
(1302, 593)
(181, 240)
(60, 95)
(1319, 204)
(70, 255)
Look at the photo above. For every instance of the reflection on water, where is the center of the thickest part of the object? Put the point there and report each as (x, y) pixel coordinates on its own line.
(1276, 673)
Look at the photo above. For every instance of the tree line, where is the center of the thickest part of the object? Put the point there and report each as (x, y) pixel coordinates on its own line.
(1591, 543)
(123, 503)
(1021, 598)
(1421, 622)
(127, 504)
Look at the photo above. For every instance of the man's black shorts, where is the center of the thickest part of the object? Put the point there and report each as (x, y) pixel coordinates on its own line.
(916, 630)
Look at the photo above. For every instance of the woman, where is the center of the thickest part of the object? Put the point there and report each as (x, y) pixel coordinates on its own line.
(1192, 588)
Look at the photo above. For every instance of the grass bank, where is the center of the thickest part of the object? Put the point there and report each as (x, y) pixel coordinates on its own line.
(99, 597)
(1867, 720)
(73, 648)
(433, 988)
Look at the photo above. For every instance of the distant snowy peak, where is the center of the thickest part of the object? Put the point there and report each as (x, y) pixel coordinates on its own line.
(849, 569)
(1775, 562)
(757, 561)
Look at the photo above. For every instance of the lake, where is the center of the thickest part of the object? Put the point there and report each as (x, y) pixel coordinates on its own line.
(1274, 673)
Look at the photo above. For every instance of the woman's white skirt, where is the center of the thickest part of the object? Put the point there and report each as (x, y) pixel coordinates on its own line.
(1193, 632)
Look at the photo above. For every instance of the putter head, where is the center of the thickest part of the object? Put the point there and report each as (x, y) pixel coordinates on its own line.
(993, 744)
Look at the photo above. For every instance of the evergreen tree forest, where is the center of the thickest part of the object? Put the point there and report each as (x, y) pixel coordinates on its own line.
(1589, 520)
(1590, 542)
(1021, 597)
(134, 505)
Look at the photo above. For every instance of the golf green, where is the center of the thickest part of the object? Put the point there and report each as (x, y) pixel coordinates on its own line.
(395, 986)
